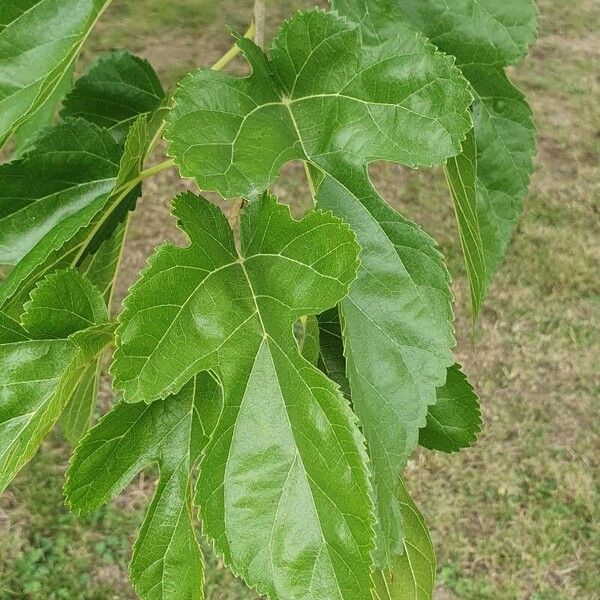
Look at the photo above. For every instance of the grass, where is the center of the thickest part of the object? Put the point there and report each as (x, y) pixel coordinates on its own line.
(515, 517)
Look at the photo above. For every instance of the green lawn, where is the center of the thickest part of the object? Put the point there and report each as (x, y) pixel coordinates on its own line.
(514, 518)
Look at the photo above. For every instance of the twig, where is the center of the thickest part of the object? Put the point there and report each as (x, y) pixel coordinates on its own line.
(259, 22)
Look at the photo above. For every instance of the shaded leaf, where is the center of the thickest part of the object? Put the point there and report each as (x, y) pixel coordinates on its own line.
(116, 89)
(461, 174)
(283, 486)
(331, 349)
(309, 343)
(167, 562)
(454, 421)
(77, 416)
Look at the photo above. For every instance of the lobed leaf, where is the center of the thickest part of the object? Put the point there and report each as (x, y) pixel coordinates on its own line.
(325, 99)
(39, 41)
(42, 363)
(283, 486)
(167, 561)
(484, 36)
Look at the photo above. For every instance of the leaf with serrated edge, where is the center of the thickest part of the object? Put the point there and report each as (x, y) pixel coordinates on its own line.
(115, 90)
(38, 43)
(283, 487)
(412, 575)
(41, 366)
(485, 36)
(454, 421)
(331, 349)
(167, 562)
(325, 100)
(67, 220)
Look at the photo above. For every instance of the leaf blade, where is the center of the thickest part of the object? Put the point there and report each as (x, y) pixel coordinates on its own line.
(38, 44)
(454, 421)
(167, 561)
(245, 305)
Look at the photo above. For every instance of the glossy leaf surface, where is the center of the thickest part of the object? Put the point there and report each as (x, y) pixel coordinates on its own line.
(484, 36)
(325, 99)
(167, 562)
(283, 487)
(56, 202)
(39, 39)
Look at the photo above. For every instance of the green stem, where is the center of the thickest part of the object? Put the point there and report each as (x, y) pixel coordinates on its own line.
(220, 64)
(163, 166)
(233, 51)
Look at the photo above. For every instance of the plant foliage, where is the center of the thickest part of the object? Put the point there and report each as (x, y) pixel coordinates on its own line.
(279, 376)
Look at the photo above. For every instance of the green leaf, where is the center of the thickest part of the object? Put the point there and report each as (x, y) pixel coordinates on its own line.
(42, 363)
(309, 342)
(484, 36)
(116, 89)
(461, 174)
(398, 337)
(412, 575)
(454, 421)
(167, 562)
(505, 136)
(60, 201)
(77, 416)
(39, 40)
(63, 303)
(283, 486)
(331, 349)
(483, 32)
(25, 136)
(101, 266)
(328, 101)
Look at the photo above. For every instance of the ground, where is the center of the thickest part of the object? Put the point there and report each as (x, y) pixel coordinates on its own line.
(514, 518)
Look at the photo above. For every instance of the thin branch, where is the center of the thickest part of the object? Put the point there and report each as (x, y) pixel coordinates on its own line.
(259, 22)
